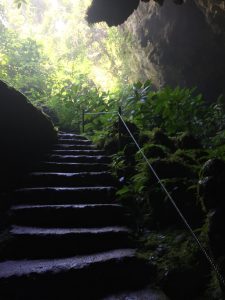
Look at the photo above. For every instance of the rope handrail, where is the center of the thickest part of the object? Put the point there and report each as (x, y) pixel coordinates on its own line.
(187, 225)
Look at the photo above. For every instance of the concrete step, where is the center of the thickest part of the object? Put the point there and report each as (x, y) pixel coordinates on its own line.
(76, 215)
(64, 195)
(74, 147)
(41, 179)
(74, 141)
(72, 167)
(80, 277)
(36, 242)
(81, 158)
(77, 152)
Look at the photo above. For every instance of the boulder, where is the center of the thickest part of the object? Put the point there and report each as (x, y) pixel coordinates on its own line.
(164, 214)
(160, 138)
(166, 168)
(188, 141)
(26, 134)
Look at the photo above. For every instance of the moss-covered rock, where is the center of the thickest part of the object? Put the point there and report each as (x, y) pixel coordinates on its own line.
(184, 193)
(112, 144)
(123, 130)
(168, 168)
(129, 151)
(188, 141)
(212, 184)
(159, 137)
(185, 156)
(182, 270)
(213, 167)
(209, 192)
(154, 151)
(194, 158)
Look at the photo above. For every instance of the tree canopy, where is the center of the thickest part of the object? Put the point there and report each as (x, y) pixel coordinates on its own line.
(49, 52)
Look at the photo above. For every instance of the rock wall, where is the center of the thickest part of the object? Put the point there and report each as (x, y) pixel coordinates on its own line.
(183, 44)
(26, 133)
(214, 12)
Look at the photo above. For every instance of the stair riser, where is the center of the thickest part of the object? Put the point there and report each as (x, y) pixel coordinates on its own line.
(80, 159)
(89, 217)
(93, 282)
(74, 147)
(60, 167)
(49, 196)
(59, 246)
(72, 181)
(78, 152)
(74, 141)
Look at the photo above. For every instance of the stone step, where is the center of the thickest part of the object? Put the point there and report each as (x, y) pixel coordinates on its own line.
(64, 195)
(80, 277)
(41, 179)
(71, 136)
(140, 294)
(78, 152)
(74, 215)
(74, 141)
(74, 147)
(72, 167)
(81, 158)
(36, 242)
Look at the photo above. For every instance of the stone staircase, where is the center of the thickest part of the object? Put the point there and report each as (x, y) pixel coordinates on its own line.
(69, 238)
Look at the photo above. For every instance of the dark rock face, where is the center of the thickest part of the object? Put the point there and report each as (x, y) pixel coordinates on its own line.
(112, 12)
(182, 45)
(26, 133)
(115, 12)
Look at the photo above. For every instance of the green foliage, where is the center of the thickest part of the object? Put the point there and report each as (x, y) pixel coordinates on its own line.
(20, 2)
(175, 111)
(48, 51)
(23, 64)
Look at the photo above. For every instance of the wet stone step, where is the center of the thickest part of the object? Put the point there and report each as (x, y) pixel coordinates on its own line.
(86, 215)
(54, 179)
(36, 242)
(72, 167)
(78, 152)
(81, 158)
(80, 277)
(74, 141)
(64, 195)
(74, 147)
(71, 136)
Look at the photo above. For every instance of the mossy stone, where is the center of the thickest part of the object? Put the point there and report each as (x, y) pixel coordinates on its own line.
(160, 138)
(153, 151)
(184, 193)
(213, 167)
(188, 141)
(167, 168)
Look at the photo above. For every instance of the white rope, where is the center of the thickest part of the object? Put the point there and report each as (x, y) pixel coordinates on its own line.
(208, 257)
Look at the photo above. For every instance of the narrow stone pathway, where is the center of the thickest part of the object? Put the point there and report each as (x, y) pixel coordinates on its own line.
(69, 239)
